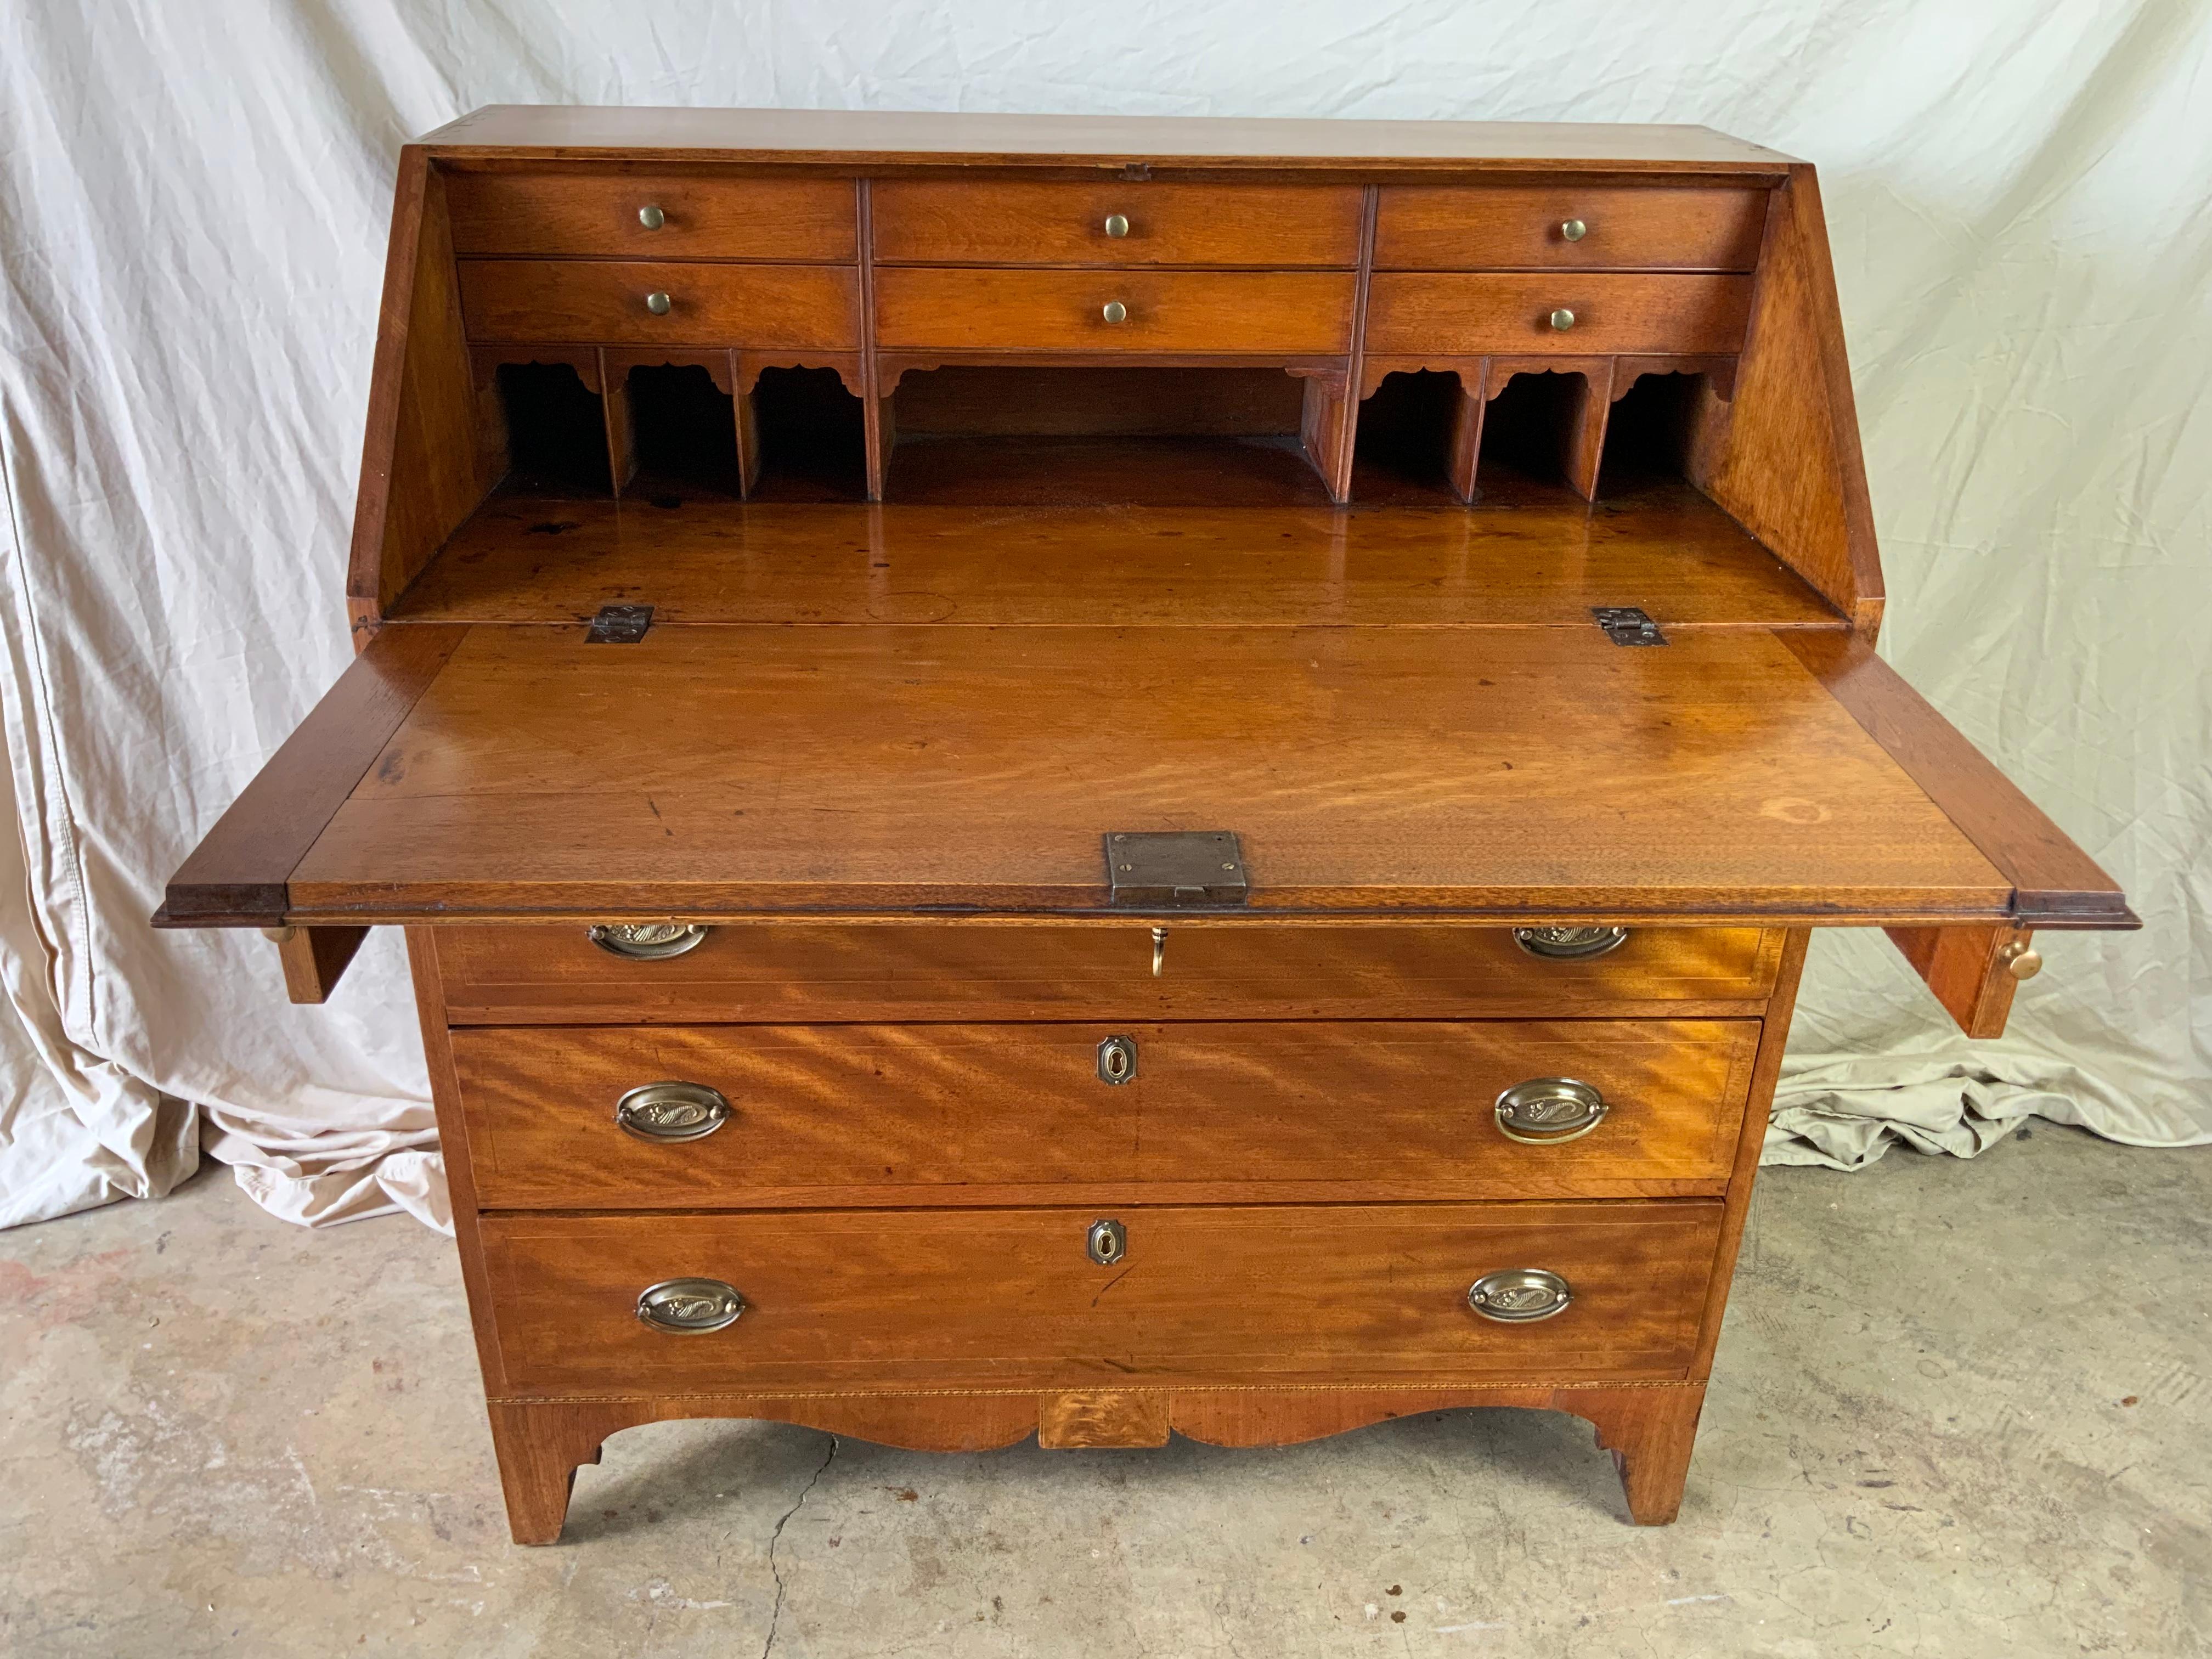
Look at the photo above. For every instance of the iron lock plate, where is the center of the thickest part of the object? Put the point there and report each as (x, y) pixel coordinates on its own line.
(1175, 869)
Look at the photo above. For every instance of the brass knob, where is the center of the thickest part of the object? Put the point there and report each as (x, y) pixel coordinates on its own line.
(1574, 230)
(647, 941)
(1116, 225)
(1116, 311)
(2021, 960)
(657, 302)
(651, 216)
(1519, 1295)
(671, 1111)
(689, 1307)
(1549, 1111)
(1563, 320)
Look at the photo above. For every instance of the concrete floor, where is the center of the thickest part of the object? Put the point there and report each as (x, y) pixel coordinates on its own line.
(1960, 1408)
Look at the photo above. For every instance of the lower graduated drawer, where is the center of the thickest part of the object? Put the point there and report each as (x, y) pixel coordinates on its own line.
(654, 1116)
(1339, 1293)
(795, 972)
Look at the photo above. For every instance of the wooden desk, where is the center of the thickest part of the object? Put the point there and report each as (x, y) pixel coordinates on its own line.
(813, 1034)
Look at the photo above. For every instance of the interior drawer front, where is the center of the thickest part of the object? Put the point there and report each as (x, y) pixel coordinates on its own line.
(1280, 313)
(797, 973)
(1624, 227)
(608, 211)
(1340, 1294)
(985, 1114)
(1472, 313)
(604, 302)
(957, 222)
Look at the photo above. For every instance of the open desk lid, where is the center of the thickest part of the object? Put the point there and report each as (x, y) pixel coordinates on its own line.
(1521, 774)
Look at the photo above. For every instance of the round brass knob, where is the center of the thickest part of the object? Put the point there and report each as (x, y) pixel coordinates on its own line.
(1549, 1111)
(689, 1307)
(1563, 320)
(1116, 225)
(1574, 230)
(651, 216)
(657, 303)
(2022, 960)
(1116, 311)
(1519, 1295)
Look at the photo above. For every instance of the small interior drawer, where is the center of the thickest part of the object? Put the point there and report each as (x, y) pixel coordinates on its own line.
(775, 972)
(649, 214)
(1473, 314)
(933, 221)
(1569, 227)
(1281, 314)
(1340, 1294)
(609, 302)
(965, 1113)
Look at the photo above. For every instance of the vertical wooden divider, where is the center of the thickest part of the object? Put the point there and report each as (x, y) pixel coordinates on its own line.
(747, 420)
(1466, 429)
(1587, 449)
(876, 423)
(614, 407)
(1338, 474)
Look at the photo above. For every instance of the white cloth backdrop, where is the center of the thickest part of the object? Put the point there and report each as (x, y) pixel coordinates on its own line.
(193, 233)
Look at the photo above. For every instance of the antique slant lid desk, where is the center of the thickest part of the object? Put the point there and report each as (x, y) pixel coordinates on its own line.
(1112, 777)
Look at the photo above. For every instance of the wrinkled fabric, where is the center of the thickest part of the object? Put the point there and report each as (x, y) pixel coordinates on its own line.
(193, 235)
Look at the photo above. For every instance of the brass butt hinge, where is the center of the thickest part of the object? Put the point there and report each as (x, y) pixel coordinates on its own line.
(619, 625)
(1176, 869)
(1625, 625)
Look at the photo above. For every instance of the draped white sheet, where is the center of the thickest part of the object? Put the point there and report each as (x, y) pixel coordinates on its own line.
(192, 233)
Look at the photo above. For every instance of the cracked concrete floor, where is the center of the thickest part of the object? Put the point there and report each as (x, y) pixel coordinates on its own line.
(1960, 1408)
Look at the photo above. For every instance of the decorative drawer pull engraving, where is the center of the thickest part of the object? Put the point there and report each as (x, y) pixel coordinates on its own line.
(1116, 311)
(1569, 943)
(1116, 225)
(1117, 1061)
(1574, 230)
(651, 217)
(1549, 1111)
(647, 941)
(1108, 1243)
(671, 1111)
(689, 1307)
(1563, 320)
(657, 302)
(1519, 1295)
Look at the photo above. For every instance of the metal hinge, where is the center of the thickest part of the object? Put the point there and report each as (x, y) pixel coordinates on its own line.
(619, 625)
(1625, 625)
(1174, 869)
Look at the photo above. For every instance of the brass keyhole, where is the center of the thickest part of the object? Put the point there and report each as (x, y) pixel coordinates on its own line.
(1117, 1060)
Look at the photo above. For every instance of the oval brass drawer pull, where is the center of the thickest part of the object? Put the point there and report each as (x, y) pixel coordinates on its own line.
(1569, 943)
(671, 1111)
(647, 941)
(1548, 1111)
(1519, 1295)
(689, 1307)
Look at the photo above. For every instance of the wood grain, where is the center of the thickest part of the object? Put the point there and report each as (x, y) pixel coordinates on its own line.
(945, 968)
(984, 309)
(1336, 1293)
(886, 1114)
(761, 307)
(1967, 969)
(1505, 226)
(2056, 884)
(593, 210)
(881, 769)
(1008, 222)
(889, 139)
(1472, 314)
(314, 959)
(238, 875)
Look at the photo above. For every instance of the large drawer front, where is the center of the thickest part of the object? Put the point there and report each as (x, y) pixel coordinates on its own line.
(961, 1114)
(1472, 313)
(796, 973)
(1336, 1293)
(1278, 313)
(802, 308)
(642, 214)
(933, 221)
(1505, 226)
